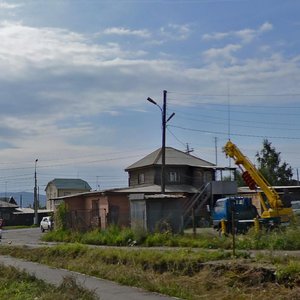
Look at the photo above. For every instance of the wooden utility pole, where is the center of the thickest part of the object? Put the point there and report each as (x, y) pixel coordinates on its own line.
(163, 148)
(35, 201)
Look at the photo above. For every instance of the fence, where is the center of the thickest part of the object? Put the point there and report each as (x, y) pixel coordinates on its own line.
(88, 219)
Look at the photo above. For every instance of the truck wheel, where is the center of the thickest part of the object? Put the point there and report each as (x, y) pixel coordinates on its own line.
(42, 229)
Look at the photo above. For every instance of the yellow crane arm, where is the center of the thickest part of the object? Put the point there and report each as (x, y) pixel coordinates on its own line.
(273, 198)
(276, 209)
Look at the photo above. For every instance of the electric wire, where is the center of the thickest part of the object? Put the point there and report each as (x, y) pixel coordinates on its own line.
(236, 134)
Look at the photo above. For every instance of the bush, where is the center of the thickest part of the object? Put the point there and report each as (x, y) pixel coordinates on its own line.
(61, 217)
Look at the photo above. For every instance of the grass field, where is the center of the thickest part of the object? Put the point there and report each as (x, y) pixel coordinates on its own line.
(187, 274)
(281, 239)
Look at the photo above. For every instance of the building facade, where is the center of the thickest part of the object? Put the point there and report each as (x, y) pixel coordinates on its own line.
(190, 186)
(60, 187)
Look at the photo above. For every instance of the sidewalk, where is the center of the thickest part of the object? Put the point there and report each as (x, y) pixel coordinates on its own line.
(104, 289)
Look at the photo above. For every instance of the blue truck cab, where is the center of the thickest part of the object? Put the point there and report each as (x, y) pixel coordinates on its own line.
(239, 209)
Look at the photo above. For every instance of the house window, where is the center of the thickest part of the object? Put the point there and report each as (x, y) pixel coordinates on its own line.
(174, 177)
(141, 178)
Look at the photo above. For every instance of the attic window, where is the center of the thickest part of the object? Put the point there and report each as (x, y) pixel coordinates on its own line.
(141, 178)
(174, 177)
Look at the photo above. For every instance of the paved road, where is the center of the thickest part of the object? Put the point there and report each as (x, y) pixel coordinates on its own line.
(28, 236)
(104, 289)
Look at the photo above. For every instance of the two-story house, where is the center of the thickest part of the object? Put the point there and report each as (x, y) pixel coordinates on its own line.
(181, 169)
(60, 187)
(191, 187)
(190, 184)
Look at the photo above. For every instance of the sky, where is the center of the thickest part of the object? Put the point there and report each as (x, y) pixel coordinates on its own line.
(75, 76)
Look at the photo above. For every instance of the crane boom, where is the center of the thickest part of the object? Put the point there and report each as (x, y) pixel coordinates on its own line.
(274, 208)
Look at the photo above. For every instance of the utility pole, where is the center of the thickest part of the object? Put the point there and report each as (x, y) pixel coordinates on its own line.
(98, 185)
(188, 150)
(216, 150)
(35, 201)
(163, 147)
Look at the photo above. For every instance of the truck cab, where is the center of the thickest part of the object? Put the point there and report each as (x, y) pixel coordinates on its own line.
(237, 209)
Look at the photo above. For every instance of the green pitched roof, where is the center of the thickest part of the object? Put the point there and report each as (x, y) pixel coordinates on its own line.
(69, 183)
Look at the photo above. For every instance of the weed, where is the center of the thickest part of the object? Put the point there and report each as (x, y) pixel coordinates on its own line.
(185, 273)
(289, 274)
(15, 285)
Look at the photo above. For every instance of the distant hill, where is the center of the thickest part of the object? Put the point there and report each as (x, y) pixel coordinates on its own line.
(27, 198)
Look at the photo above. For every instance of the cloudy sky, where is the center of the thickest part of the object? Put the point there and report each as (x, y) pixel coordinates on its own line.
(75, 76)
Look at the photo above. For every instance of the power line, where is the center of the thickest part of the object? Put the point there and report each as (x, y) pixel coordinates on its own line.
(73, 158)
(176, 138)
(71, 163)
(236, 95)
(241, 111)
(236, 134)
(245, 126)
(225, 119)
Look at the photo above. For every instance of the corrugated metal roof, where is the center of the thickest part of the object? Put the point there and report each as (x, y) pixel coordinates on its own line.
(183, 188)
(173, 157)
(28, 210)
(139, 189)
(69, 183)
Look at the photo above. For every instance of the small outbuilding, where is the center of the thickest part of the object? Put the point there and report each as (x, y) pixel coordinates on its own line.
(156, 212)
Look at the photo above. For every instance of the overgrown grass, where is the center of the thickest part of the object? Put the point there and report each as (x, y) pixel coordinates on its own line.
(114, 236)
(16, 285)
(284, 239)
(181, 261)
(289, 273)
(187, 274)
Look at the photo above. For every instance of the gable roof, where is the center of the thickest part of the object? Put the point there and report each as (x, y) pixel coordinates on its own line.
(10, 200)
(69, 183)
(173, 157)
(4, 204)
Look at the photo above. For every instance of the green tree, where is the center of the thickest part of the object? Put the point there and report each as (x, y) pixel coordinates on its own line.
(269, 164)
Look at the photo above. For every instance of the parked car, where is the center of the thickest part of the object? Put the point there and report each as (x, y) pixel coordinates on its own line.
(46, 224)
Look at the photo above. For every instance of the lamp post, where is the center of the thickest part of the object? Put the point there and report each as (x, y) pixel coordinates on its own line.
(35, 201)
(163, 147)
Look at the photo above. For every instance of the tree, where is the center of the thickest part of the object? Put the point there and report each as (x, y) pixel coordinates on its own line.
(269, 164)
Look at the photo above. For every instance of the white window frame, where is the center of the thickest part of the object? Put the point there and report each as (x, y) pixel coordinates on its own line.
(141, 178)
(174, 176)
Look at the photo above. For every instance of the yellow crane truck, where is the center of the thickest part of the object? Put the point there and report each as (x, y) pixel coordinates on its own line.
(274, 209)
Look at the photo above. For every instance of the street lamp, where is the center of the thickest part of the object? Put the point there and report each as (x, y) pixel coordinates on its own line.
(35, 201)
(163, 148)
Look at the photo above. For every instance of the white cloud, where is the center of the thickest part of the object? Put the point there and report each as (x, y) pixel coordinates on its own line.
(6, 5)
(224, 54)
(53, 75)
(266, 27)
(215, 36)
(127, 32)
(245, 35)
(176, 31)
